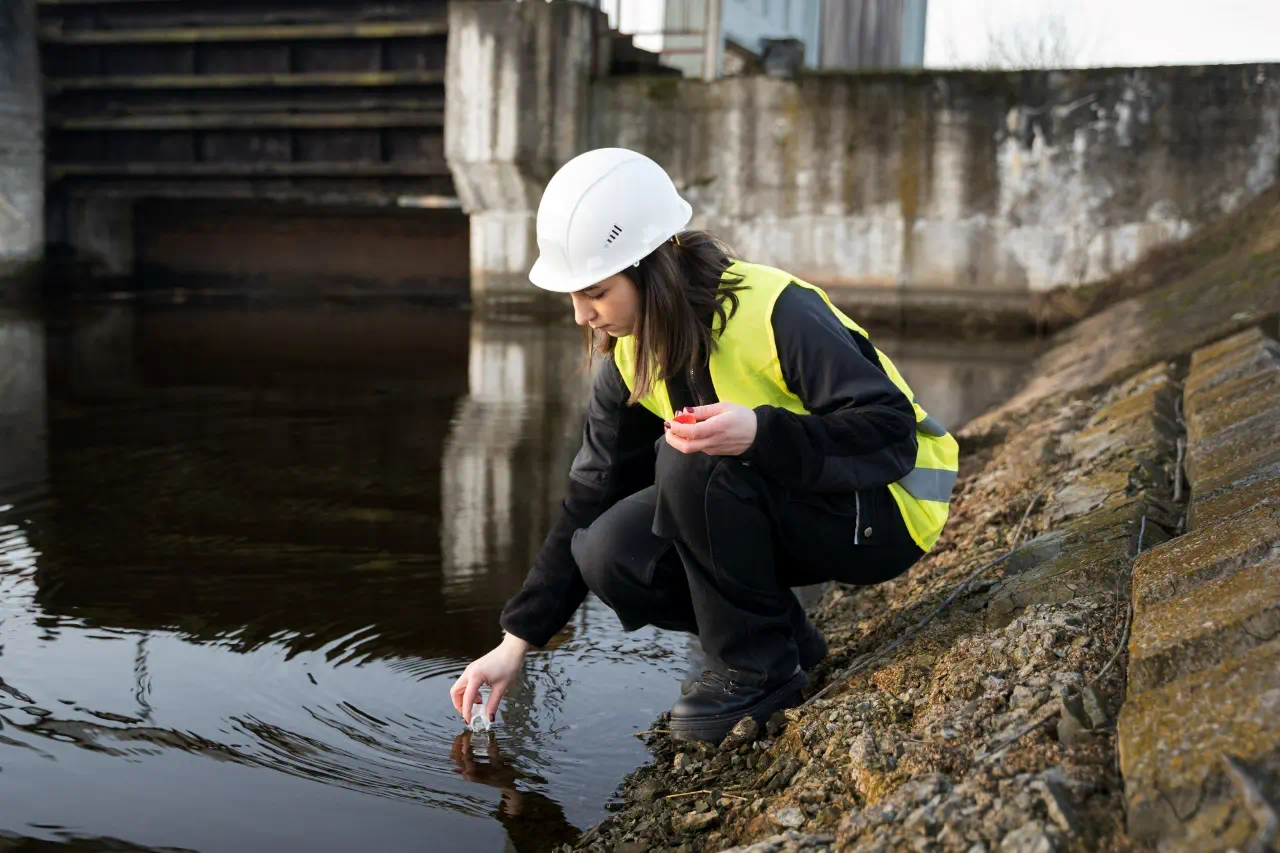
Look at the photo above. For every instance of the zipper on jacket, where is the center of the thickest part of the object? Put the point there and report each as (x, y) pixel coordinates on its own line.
(857, 518)
(693, 386)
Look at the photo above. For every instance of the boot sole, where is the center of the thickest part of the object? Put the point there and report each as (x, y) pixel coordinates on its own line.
(715, 728)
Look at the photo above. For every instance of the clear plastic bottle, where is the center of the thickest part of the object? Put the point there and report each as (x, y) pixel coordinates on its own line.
(479, 719)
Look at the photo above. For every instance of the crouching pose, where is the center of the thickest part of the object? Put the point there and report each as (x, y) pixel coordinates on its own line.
(743, 437)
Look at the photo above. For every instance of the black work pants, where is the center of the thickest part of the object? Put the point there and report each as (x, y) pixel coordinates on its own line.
(714, 547)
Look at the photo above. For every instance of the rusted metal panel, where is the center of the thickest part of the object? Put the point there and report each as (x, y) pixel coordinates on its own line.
(333, 57)
(228, 59)
(409, 191)
(146, 59)
(338, 146)
(255, 121)
(52, 34)
(266, 98)
(159, 148)
(143, 103)
(74, 147)
(246, 147)
(178, 168)
(424, 248)
(213, 14)
(71, 61)
(249, 81)
(413, 145)
(414, 54)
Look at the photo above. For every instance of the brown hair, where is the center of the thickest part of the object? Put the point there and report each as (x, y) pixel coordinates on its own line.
(682, 287)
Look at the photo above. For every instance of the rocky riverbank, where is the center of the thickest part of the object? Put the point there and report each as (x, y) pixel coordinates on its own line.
(971, 706)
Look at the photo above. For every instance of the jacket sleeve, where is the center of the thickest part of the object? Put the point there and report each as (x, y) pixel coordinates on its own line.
(616, 459)
(860, 432)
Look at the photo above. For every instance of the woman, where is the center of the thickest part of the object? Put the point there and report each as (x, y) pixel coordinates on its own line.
(808, 459)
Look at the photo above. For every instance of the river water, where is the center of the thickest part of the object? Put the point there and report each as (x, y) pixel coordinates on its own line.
(245, 550)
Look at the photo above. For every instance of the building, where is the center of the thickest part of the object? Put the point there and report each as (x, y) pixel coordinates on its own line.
(831, 34)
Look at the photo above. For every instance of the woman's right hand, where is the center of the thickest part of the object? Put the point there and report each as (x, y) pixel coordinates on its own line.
(497, 669)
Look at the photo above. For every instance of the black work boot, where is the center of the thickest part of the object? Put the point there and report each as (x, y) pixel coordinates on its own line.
(811, 645)
(710, 706)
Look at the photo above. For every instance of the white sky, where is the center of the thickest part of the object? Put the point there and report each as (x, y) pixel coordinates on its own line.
(1114, 32)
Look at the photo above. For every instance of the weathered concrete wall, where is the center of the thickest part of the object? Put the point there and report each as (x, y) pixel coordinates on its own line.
(517, 84)
(955, 184)
(21, 146)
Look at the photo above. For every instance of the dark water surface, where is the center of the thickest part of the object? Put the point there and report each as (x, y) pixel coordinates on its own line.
(244, 552)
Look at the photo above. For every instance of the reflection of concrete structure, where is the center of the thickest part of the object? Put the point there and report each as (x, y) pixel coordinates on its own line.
(22, 407)
(959, 380)
(510, 446)
(21, 148)
(245, 471)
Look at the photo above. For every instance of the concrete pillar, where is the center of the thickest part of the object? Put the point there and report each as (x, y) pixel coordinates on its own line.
(513, 439)
(517, 88)
(21, 146)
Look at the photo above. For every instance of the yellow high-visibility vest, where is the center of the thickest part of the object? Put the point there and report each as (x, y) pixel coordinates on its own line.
(745, 369)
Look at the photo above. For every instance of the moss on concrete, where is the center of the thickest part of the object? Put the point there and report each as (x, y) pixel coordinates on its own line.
(1176, 567)
(1233, 403)
(1172, 739)
(1217, 620)
(1204, 360)
(1240, 496)
(1246, 448)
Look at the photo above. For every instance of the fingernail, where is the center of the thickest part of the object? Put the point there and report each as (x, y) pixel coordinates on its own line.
(666, 424)
(689, 409)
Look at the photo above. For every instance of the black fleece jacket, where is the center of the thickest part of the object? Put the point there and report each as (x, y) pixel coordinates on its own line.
(860, 434)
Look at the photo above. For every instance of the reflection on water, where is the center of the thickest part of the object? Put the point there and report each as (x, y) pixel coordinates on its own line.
(244, 553)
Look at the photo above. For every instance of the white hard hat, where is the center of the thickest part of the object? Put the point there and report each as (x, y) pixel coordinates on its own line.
(601, 213)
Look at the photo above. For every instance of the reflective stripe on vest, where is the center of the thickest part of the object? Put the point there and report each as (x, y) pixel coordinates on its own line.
(929, 484)
(745, 369)
(929, 426)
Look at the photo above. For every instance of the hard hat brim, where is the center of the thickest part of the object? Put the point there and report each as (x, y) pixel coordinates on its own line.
(543, 276)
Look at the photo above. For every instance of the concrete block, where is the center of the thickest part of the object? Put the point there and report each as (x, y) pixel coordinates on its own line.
(1132, 422)
(1259, 354)
(1171, 741)
(1203, 359)
(1258, 487)
(1217, 620)
(1175, 568)
(1242, 450)
(1230, 404)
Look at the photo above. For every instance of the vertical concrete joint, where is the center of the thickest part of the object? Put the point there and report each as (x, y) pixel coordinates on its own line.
(517, 87)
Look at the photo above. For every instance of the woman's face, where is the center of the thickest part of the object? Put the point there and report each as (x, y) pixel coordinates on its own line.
(610, 306)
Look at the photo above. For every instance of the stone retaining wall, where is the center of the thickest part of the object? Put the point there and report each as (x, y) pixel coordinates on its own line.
(1204, 655)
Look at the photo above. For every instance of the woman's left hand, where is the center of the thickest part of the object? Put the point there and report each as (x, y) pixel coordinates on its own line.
(723, 429)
